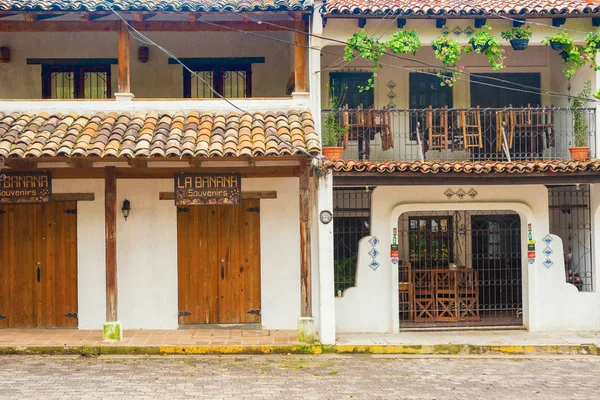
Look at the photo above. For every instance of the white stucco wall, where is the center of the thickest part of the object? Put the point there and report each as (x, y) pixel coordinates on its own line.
(147, 253)
(548, 301)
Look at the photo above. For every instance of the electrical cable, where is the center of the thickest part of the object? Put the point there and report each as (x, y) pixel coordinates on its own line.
(144, 39)
(405, 58)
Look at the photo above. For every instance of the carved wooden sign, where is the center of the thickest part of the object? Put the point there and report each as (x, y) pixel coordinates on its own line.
(26, 187)
(201, 189)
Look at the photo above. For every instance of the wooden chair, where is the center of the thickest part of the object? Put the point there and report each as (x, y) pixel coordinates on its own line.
(345, 123)
(423, 296)
(436, 125)
(504, 121)
(534, 124)
(470, 123)
(445, 295)
(387, 140)
(405, 292)
(467, 287)
(542, 123)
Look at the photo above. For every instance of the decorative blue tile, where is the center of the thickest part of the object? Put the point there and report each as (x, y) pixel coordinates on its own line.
(391, 95)
(460, 194)
(469, 31)
(548, 263)
(391, 85)
(548, 251)
(457, 31)
(374, 252)
(445, 31)
(374, 241)
(374, 265)
(392, 105)
(472, 193)
(449, 194)
(548, 239)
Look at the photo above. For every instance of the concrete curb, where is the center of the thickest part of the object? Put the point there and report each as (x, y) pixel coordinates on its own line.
(438, 349)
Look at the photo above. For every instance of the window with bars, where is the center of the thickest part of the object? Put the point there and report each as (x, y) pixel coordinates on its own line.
(76, 82)
(570, 219)
(231, 81)
(352, 215)
(346, 85)
(430, 241)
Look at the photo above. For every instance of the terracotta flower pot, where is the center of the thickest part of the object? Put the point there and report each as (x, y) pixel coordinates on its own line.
(579, 153)
(333, 153)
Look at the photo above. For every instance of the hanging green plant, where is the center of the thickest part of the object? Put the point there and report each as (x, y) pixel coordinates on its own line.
(370, 48)
(518, 36)
(591, 48)
(560, 41)
(484, 43)
(448, 51)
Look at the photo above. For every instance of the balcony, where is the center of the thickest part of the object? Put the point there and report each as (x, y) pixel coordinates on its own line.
(461, 134)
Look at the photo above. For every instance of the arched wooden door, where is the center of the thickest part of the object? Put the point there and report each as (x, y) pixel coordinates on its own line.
(38, 265)
(219, 263)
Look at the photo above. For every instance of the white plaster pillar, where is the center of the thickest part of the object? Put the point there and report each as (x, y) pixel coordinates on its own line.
(326, 276)
(314, 66)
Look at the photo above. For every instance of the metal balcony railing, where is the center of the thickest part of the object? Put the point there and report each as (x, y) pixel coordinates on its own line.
(475, 134)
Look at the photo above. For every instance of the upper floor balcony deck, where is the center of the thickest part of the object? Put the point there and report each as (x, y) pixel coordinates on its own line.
(460, 134)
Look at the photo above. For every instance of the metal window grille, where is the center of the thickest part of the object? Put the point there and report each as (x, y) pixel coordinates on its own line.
(230, 82)
(351, 222)
(570, 219)
(76, 82)
(460, 268)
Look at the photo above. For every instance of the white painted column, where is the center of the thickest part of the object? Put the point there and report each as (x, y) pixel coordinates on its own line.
(326, 276)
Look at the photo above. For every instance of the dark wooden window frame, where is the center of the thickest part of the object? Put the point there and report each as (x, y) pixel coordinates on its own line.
(218, 74)
(428, 233)
(78, 77)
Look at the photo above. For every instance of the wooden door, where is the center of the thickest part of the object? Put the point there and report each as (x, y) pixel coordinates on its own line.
(219, 263)
(38, 265)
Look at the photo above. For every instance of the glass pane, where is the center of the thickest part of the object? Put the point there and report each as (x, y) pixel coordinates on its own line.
(234, 84)
(62, 85)
(95, 85)
(199, 89)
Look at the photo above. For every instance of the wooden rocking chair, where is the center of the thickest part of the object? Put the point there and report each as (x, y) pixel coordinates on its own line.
(470, 122)
(437, 128)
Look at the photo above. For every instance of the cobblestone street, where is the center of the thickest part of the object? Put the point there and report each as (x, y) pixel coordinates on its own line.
(304, 377)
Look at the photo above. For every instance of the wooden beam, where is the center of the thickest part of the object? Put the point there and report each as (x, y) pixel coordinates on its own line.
(139, 17)
(267, 194)
(33, 17)
(137, 162)
(20, 163)
(110, 220)
(73, 197)
(79, 162)
(147, 26)
(30, 17)
(305, 266)
(7, 15)
(194, 17)
(124, 59)
(299, 62)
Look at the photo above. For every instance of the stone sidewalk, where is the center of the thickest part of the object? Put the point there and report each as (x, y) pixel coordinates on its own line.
(330, 376)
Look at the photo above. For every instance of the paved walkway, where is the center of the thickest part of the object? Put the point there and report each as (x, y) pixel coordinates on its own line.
(198, 337)
(298, 377)
(475, 337)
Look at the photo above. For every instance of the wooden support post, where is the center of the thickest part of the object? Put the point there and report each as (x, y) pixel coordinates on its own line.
(110, 219)
(300, 62)
(124, 58)
(305, 267)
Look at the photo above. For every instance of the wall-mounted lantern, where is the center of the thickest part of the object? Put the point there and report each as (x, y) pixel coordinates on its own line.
(143, 54)
(4, 54)
(126, 208)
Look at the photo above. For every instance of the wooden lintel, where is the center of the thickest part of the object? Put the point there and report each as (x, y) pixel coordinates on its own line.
(272, 194)
(30, 17)
(195, 163)
(137, 162)
(110, 219)
(79, 162)
(33, 17)
(142, 16)
(73, 197)
(19, 163)
(157, 26)
(305, 244)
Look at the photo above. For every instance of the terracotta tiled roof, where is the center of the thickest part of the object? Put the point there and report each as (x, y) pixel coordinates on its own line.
(464, 167)
(460, 7)
(156, 5)
(197, 134)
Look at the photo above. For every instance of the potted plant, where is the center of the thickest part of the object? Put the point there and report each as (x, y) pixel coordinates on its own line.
(560, 41)
(518, 36)
(484, 43)
(580, 150)
(448, 51)
(333, 131)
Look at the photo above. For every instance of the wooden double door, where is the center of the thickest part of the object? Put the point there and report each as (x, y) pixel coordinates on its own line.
(219, 263)
(38, 265)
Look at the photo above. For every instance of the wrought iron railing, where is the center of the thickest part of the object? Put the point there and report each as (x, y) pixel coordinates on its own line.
(477, 134)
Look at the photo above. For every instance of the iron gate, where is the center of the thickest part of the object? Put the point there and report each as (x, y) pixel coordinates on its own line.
(460, 268)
